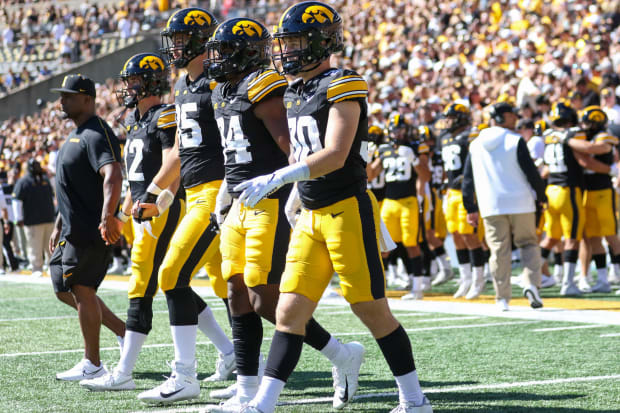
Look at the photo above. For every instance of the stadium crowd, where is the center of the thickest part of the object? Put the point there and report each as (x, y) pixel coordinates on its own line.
(416, 57)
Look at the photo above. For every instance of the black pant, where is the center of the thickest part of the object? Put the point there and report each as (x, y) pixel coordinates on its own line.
(8, 249)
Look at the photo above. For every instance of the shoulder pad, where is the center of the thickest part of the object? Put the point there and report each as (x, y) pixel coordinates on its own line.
(423, 148)
(606, 138)
(264, 83)
(349, 85)
(166, 117)
(576, 133)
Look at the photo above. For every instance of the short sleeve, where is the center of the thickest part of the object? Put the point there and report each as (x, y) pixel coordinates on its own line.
(102, 146)
(267, 83)
(167, 127)
(607, 138)
(348, 87)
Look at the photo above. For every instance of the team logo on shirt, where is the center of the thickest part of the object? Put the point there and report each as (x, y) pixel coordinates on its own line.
(247, 27)
(197, 18)
(317, 14)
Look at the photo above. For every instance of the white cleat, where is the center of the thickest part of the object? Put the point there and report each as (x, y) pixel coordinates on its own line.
(463, 288)
(231, 391)
(413, 295)
(570, 289)
(181, 385)
(115, 380)
(583, 285)
(406, 407)
(601, 287)
(502, 304)
(346, 376)
(476, 289)
(249, 408)
(232, 405)
(443, 276)
(81, 371)
(224, 367)
(547, 281)
(531, 293)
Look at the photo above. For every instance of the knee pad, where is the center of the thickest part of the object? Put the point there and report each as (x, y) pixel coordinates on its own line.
(140, 315)
(182, 307)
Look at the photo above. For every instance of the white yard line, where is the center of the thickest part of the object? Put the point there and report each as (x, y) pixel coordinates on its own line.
(610, 335)
(200, 407)
(543, 330)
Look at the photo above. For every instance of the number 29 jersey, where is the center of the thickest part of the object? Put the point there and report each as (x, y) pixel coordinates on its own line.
(249, 148)
(200, 148)
(307, 107)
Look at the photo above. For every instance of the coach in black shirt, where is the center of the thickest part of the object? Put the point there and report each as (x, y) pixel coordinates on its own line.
(88, 188)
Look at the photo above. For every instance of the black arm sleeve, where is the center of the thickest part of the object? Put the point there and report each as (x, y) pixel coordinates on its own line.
(469, 191)
(531, 172)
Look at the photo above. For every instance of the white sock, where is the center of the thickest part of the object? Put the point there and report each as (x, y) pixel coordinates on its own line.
(131, 349)
(479, 275)
(210, 328)
(268, 393)
(184, 339)
(247, 386)
(465, 271)
(121, 342)
(417, 284)
(569, 272)
(335, 351)
(558, 271)
(602, 275)
(442, 262)
(409, 389)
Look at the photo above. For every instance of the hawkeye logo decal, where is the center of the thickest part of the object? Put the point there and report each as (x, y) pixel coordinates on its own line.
(317, 14)
(197, 18)
(151, 62)
(247, 27)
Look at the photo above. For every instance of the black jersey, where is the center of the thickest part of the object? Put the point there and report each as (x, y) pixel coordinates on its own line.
(399, 165)
(594, 180)
(200, 147)
(436, 167)
(377, 185)
(79, 187)
(560, 158)
(454, 151)
(307, 106)
(249, 148)
(146, 137)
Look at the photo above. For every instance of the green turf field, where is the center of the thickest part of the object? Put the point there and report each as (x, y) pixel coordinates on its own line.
(466, 363)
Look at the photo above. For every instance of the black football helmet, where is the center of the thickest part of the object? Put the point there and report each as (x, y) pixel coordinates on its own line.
(306, 34)
(454, 116)
(540, 127)
(425, 134)
(376, 134)
(399, 129)
(593, 119)
(237, 45)
(562, 115)
(153, 73)
(185, 35)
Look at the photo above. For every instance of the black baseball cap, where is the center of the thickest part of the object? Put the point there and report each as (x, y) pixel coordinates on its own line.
(76, 83)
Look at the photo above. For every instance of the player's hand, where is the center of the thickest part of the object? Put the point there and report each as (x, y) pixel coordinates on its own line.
(472, 219)
(54, 239)
(110, 229)
(254, 190)
(144, 211)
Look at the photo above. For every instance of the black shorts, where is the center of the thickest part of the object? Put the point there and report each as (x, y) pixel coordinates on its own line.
(79, 264)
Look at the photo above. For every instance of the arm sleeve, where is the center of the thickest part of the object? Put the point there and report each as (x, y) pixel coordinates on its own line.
(530, 170)
(102, 147)
(469, 191)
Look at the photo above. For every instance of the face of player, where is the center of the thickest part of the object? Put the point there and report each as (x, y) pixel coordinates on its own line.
(179, 40)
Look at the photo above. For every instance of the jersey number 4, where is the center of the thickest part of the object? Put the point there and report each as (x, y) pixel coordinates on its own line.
(234, 142)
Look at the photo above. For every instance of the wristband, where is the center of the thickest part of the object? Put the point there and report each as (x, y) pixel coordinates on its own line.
(296, 172)
(154, 189)
(122, 216)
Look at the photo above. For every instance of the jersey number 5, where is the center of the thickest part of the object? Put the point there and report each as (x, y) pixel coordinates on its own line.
(190, 133)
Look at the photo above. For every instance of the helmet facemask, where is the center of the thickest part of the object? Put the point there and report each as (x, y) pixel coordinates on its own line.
(229, 58)
(180, 48)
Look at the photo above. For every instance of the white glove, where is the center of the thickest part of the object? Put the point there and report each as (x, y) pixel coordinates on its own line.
(254, 190)
(613, 170)
(223, 201)
(293, 204)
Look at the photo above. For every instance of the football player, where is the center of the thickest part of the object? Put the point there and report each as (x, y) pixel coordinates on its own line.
(339, 227)
(454, 140)
(406, 170)
(564, 216)
(151, 131)
(599, 195)
(252, 120)
(436, 230)
(197, 156)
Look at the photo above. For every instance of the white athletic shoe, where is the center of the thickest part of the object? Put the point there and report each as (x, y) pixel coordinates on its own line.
(346, 376)
(181, 385)
(570, 289)
(463, 288)
(443, 276)
(232, 405)
(249, 408)
(502, 304)
(406, 407)
(230, 391)
(475, 289)
(531, 293)
(547, 281)
(83, 370)
(224, 367)
(413, 295)
(37, 274)
(117, 266)
(583, 285)
(601, 287)
(115, 380)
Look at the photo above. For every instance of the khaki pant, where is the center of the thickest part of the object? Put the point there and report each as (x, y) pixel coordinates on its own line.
(38, 237)
(500, 230)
